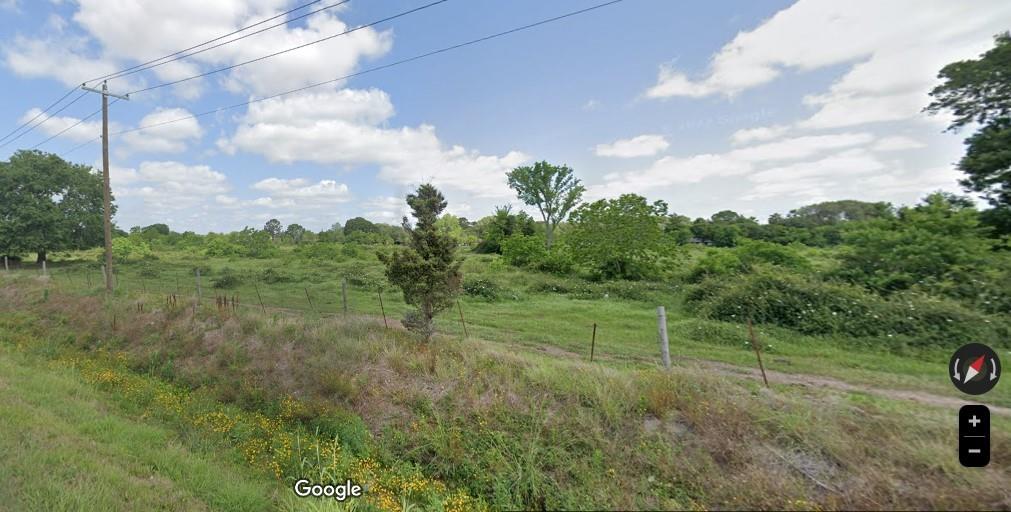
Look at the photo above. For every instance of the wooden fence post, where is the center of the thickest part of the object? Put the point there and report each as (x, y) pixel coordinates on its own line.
(105, 278)
(257, 288)
(43, 267)
(383, 309)
(462, 322)
(661, 320)
(310, 300)
(758, 352)
(593, 340)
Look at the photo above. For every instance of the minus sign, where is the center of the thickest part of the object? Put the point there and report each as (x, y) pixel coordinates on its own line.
(974, 450)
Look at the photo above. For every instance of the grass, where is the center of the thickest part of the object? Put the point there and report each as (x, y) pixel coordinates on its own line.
(626, 328)
(66, 446)
(522, 428)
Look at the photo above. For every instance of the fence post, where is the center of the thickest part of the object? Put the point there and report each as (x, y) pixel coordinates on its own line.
(43, 267)
(6, 268)
(383, 309)
(758, 352)
(105, 278)
(661, 320)
(309, 299)
(462, 322)
(593, 340)
(257, 288)
(344, 294)
(198, 285)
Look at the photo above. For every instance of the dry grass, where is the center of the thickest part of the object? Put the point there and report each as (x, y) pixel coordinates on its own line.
(527, 429)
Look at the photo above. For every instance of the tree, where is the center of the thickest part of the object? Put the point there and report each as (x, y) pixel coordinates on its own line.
(295, 232)
(273, 228)
(451, 225)
(620, 238)
(427, 269)
(359, 225)
(979, 91)
(48, 204)
(553, 189)
(923, 244)
(493, 229)
(334, 234)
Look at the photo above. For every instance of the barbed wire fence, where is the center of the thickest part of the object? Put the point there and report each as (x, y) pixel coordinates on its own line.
(340, 297)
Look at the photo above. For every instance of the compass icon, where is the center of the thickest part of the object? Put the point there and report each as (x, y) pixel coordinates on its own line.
(974, 369)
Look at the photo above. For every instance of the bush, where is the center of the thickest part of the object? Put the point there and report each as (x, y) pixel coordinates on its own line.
(558, 261)
(364, 276)
(271, 275)
(321, 251)
(228, 278)
(482, 288)
(130, 249)
(815, 307)
(716, 263)
(523, 250)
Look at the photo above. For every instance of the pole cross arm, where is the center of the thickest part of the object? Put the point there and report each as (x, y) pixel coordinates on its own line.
(106, 93)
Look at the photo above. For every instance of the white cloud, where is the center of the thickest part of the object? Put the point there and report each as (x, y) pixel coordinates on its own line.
(800, 147)
(643, 145)
(83, 131)
(891, 65)
(897, 143)
(168, 138)
(299, 193)
(758, 134)
(110, 42)
(346, 127)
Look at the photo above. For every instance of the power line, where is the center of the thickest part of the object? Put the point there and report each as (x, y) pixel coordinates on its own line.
(79, 121)
(359, 73)
(179, 55)
(48, 117)
(51, 105)
(233, 66)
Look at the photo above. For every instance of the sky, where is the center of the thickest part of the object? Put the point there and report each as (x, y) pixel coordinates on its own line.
(758, 107)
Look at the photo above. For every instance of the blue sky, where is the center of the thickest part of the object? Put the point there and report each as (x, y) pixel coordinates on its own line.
(758, 107)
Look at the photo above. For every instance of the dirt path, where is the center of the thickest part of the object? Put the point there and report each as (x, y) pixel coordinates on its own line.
(818, 381)
(801, 379)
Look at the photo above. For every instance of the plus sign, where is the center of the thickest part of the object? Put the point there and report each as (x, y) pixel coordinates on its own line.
(975, 421)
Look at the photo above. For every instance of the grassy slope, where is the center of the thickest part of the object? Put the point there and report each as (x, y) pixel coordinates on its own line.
(626, 334)
(525, 429)
(65, 446)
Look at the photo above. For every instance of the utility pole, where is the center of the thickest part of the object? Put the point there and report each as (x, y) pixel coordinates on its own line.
(106, 191)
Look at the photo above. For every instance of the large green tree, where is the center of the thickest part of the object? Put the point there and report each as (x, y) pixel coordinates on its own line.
(273, 228)
(553, 189)
(426, 269)
(923, 244)
(620, 238)
(48, 204)
(978, 91)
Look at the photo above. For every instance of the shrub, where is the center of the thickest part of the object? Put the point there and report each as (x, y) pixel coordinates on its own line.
(130, 249)
(815, 307)
(227, 278)
(482, 288)
(558, 260)
(363, 276)
(271, 275)
(716, 263)
(523, 250)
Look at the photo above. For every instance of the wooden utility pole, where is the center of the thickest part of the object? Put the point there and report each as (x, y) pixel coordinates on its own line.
(106, 191)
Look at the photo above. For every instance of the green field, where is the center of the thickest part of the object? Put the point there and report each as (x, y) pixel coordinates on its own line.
(515, 415)
(626, 329)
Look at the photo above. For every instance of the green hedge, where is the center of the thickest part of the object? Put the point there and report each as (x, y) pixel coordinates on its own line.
(811, 306)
